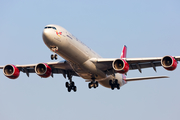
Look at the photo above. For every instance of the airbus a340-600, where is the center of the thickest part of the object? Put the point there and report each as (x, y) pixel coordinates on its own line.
(81, 61)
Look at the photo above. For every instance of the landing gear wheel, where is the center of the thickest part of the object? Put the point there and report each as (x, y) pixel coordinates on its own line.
(110, 82)
(118, 86)
(75, 88)
(89, 85)
(67, 84)
(97, 84)
(55, 56)
(72, 84)
(112, 87)
(94, 85)
(116, 81)
(114, 84)
(69, 89)
(52, 57)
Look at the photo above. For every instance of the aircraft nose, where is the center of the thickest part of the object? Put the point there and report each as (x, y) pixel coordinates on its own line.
(47, 35)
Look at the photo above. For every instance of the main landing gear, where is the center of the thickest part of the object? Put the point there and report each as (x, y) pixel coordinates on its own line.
(93, 83)
(70, 85)
(114, 84)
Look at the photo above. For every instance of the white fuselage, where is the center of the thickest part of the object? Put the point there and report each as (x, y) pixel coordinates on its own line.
(75, 52)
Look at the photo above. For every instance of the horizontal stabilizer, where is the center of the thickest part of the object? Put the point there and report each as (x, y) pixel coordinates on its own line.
(145, 78)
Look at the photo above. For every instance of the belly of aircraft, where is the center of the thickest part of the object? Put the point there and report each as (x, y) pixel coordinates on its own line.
(77, 58)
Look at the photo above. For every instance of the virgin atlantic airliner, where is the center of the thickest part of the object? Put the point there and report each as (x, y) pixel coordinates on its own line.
(82, 61)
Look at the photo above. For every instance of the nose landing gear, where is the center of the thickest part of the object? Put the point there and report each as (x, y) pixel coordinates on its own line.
(54, 49)
(54, 56)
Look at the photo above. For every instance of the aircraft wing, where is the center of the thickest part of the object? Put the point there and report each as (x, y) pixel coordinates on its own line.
(134, 63)
(144, 78)
(57, 68)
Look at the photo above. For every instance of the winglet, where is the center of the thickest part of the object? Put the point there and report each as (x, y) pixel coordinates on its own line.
(124, 52)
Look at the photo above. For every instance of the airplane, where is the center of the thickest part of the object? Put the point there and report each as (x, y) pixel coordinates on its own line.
(83, 62)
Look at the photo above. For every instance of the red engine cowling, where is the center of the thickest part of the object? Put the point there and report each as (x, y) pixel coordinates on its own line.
(43, 70)
(121, 66)
(169, 63)
(11, 71)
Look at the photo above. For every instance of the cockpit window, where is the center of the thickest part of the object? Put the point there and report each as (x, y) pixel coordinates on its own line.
(49, 27)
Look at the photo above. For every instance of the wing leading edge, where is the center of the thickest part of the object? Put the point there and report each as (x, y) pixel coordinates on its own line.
(168, 62)
(62, 67)
(134, 63)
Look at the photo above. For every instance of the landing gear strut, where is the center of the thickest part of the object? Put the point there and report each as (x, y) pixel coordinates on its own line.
(114, 84)
(54, 49)
(93, 83)
(70, 85)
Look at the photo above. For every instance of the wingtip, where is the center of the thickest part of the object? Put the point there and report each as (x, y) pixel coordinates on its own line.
(166, 77)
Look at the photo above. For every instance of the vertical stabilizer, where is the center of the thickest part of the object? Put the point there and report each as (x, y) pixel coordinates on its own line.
(124, 52)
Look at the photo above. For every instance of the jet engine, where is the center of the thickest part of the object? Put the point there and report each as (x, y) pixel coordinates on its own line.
(11, 71)
(43, 70)
(169, 63)
(120, 65)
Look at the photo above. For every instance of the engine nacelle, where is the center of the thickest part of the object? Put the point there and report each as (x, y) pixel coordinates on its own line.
(43, 70)
(169, 63)
(11, 71)
(120, 65)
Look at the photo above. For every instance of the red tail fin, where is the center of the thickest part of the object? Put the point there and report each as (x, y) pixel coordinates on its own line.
(124, 52)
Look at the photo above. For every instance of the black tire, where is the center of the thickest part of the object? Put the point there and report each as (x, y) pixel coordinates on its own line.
(55, 57)
(75, 88)
(52, 57)
(72, 84)
(67, 84)
(110, 82)
(112, 87)
(118, 86)
(97, 84)
(94, 85)
(116, 81)
(89, 85)
(69, 89)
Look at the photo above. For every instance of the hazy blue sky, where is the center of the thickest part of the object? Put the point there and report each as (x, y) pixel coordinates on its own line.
(149, 28)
